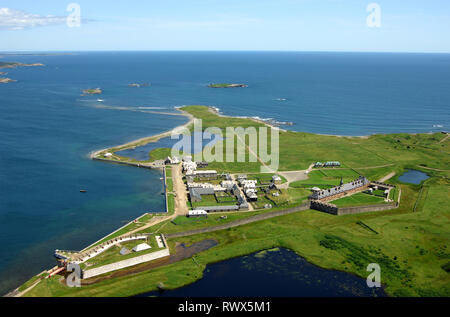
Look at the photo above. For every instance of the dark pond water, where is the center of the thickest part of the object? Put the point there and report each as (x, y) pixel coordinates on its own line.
(413, 177)
(273, 273)
(191, 145)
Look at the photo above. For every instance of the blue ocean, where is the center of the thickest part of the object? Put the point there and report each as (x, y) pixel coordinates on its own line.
(48, 129)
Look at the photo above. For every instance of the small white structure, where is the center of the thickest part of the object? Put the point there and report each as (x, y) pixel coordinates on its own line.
(249, 183)
(197, 213)
(124, 251)
(227, 184)
(108, 155)
(189, 167)
(141, 247)
(276, 179)
(249, 186)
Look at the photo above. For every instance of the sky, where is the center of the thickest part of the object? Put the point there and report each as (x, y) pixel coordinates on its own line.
(247, 25)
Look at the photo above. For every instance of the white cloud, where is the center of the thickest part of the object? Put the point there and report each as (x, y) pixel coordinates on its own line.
(11, 19)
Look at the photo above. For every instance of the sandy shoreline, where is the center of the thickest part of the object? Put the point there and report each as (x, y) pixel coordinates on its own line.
(149, 139)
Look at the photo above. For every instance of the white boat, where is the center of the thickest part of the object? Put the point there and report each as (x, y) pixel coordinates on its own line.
(100, 100)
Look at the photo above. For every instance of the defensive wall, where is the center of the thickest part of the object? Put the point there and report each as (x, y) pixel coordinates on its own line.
(241, 222)
(125, 263)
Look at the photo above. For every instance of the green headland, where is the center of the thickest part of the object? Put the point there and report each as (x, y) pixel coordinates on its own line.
(411, 243)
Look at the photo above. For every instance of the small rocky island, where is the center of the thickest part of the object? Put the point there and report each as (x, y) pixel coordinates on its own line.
(6, 80)
(227, 86)
(95, 91)
(15, 65)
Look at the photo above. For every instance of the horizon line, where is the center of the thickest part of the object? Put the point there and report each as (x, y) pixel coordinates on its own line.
(229, 51)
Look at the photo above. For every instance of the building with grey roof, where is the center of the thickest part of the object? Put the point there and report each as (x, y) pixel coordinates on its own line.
(196, 193)
(326, 193)
(219, 208)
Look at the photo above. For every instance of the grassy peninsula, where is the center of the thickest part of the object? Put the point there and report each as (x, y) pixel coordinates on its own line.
(411, 243)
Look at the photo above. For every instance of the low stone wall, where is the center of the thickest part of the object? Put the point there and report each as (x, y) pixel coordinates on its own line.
(345, 194)
(125, 263)
(361, 209)
(141, 165)
(241, 222)
(339, 211)
(375, 183)
(325, 207)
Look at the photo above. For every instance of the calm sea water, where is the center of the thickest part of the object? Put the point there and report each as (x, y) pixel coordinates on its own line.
(48, 128)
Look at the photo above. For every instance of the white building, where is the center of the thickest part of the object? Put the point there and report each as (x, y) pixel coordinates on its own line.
(197, 213)
(189, 167)
(250, 182)
(108, 155)
(227, 184)
(141, 247)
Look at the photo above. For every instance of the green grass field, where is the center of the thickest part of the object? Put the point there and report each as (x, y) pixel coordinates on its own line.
(264, 178)
(359, 199)
(170, 204)
(169, 183)
(113, 255)
(412, 244)
(325, 179)
(411, 248)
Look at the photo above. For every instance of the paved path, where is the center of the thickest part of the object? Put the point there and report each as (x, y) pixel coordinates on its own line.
(179, 188)
(294, 176)
(433, 169)
(445, 139)
(385, 178)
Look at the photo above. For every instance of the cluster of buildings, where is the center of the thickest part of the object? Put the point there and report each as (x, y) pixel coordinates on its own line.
(227, 187)
(230, 195)
(327, 164)
(170, 161)
(249, 188)
(191, 169)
